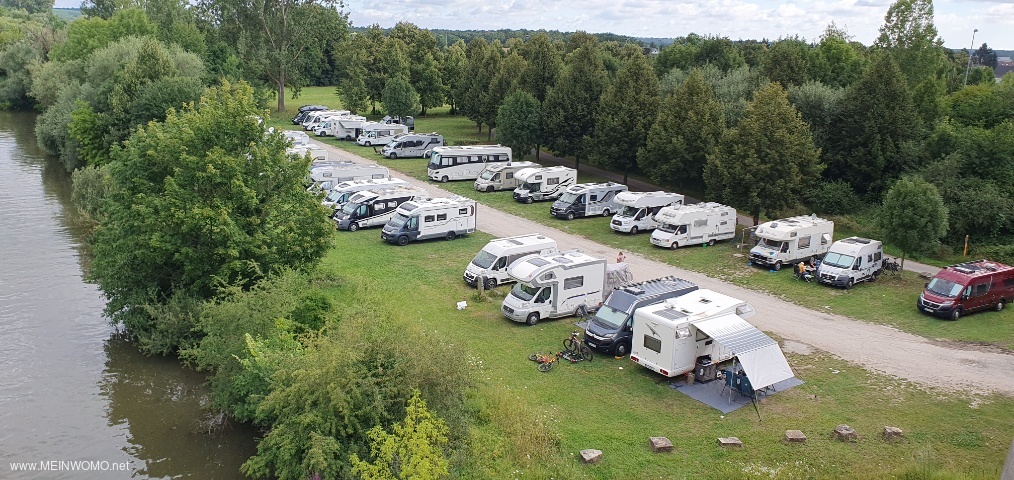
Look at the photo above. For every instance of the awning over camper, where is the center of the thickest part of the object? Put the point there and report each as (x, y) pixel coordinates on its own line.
(761, 357)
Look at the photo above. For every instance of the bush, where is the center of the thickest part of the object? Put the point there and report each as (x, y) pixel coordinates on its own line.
(997, 253)
(91, 187)
(833, 198)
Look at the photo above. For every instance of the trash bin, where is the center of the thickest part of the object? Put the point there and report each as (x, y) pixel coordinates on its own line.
(705, 370)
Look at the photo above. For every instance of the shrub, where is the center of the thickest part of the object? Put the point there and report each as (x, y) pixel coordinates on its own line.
(833, 198)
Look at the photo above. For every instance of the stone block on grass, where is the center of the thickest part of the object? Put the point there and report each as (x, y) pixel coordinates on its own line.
(795, 436)
(591, 455)
(893, 434)
(660, 444)
(845, 433)
(730, 442)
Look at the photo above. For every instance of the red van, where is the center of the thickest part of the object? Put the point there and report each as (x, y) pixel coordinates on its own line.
(968, 287)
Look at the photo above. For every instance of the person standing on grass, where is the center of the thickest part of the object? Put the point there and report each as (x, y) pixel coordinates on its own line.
(621, 258)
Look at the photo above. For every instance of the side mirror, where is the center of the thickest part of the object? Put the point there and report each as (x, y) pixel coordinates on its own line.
(926, 285)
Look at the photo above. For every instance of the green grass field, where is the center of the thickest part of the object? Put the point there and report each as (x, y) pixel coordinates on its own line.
(532, 424)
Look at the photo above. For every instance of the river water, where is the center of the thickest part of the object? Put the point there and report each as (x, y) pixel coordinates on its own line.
(71, 389)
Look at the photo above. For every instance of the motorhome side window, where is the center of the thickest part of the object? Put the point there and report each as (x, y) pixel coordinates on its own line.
(552, 181)
(441, 217)
(980, 289)
(594, 198)
(447, 161)
(510, 175)
(392, 204)
(573, 282)
(1008, 282)
(876, 257)
(825, 239)
(653, 344)
(804, 242)
(681, 229)
(701, 223)
(428, 218)
(463, 211)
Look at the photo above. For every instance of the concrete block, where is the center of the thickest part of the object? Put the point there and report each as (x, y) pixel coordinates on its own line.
(660, 444)
(591, 455)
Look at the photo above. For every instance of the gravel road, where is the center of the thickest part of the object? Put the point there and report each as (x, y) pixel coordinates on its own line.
(878, 348)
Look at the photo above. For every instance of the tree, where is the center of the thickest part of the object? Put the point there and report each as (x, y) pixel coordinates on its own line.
(786, 62)
(687, 129)
(572, 104)
(400, 99)
(280, 39)
(482, 60)
(413, 450)
(102, 8)
(542, 67)
(768, 160)
(518, 123)
(871, 128)
(626, 112)
(817, 103)
(909, 35)
(913, 217)
(376, 78)
(424, 69)
(835, 62)
(30, 6)
(504, 82)
(985, 56)
(202, 202)
(351, 57)
(453, 70)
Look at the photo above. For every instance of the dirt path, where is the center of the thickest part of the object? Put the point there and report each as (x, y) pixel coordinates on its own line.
(878, 348)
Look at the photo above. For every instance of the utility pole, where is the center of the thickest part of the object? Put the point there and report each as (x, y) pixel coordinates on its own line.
(970, 50)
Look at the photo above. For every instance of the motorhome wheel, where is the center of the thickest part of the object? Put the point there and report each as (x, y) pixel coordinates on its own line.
(490, 283)
(489, 189)
(348, 138)
(443, 179)
(955, 314)
(533, 318)
(368, 144)
(450, 236)
(353, 226)
(711, 242)
(570, 215)
(848, 286)
(999, 305)
(606, 212)
(778, 266)
(394, 155)
(402, 240)
(528, 200)
(633, 230)
(622, 349)
(674, 245)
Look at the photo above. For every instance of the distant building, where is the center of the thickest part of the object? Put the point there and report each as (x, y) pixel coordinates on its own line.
(1004, 65)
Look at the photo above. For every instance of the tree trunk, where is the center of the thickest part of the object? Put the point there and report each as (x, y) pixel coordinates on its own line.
(480, 127)
(625, 175)
(577, 162)
(281, 92)
(756, 218)
(902, 265)
(489, 133)
(537, 152)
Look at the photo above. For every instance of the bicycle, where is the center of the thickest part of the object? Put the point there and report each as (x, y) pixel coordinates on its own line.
(891, 265)
(545, 360)
(575, 350)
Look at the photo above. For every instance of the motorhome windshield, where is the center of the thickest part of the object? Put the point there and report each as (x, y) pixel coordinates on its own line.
(629, 211)
(611, 316)
(334, 196)
(944, 288)
(524, 291)
(769, 243)
(435, 161)
(838, 260)
(398, 221)
(350, 208)
(487, 174)
(569, 197)
(665, 227)
(530, 187)
(483, 259)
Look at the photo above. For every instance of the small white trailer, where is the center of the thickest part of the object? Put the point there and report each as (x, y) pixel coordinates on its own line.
(548, 183)
(639, 209)
(682, 225)
(555, 285)
(789, 240)
(588, 199)
(850, 261)
(375, 133)
(464, 162)
(705, 327)
(423, 219)
(492, 261)
(373, 208)
(501, 176)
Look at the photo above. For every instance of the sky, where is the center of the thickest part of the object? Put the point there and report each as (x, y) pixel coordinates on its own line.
(737, 19)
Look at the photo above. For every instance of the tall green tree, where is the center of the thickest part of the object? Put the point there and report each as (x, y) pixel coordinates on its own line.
(627, 111)
(543, 65)
(413, 450)
(400, 99)
(505, 81)
(351, 57)
(376, 77)
(766, 162)
(572, 104)
(913, 217)
(985, 56)
(835, 61)
(202, 202)
(817, 103)
(280, 40)
(518, 123)
(909, 34)
(787, 62)
(483, 62)
(453, 68)
(424, 67)
(872, 129)
(30, 6)
(687, 129)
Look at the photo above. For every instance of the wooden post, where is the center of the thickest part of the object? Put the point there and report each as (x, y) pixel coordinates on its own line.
(966, 247)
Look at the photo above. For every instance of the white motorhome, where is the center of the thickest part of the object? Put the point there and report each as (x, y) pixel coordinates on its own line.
(850, 261)
(682, 225)
(555, 285)
(492, 261)
(327, 176)
(587, 199)
(789, 240)
(464, 162)
(340, 126)
(311, 121)
(317, 153)
(298, 139)
(371, 208)
(537, 184)
(501, 176)
(705, 327)
(412, 145)
(423, 219)
(340, 193)
(639, 209)
(375, 133)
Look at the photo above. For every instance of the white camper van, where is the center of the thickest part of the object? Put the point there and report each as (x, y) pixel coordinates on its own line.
(345, 127)
(299, 139)
(492, 261)
(639, 209)
(317, 153)
(587, 199)
(375, 133)
(501, 176)
(789, 240)
(466, 162)
(423, 219)
(682, 225)
(412, 145)
(850, 261)
(340, 193)
(705, 327)
(327, 176)
(314, 119)
(537, 184)
(555, 285)
(371, 208)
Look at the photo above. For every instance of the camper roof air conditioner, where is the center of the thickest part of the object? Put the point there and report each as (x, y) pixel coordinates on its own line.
(515, 242)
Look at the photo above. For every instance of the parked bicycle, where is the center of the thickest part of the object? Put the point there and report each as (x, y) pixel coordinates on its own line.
(545, 360)
(575, 350)
(891, 265)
